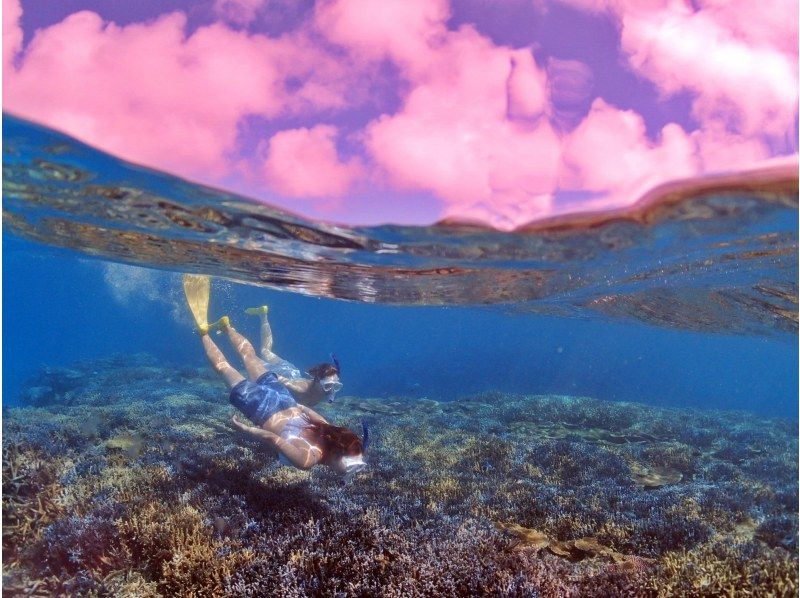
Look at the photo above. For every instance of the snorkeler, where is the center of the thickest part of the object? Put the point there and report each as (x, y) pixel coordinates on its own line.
(301, 435)
(323, 382)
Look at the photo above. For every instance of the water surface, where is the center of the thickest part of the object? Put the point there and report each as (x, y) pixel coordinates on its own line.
(718, 255)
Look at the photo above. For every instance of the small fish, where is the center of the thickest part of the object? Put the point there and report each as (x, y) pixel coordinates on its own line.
(131, 444)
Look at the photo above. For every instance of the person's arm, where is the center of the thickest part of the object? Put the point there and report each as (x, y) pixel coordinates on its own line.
(259, 433)
(294, 386)
(298, 451)
(301, 390)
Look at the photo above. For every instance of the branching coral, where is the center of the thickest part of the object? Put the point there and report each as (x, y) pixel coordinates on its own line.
(30, 498)
(723, 569)
(179, 550)
(126, 486)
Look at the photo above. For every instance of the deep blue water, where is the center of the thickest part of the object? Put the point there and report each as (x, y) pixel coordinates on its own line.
(59, 307)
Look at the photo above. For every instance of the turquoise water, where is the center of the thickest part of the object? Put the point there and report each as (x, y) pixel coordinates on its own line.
(448, 337)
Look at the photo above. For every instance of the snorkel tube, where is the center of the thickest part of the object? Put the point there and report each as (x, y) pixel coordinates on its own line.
(364, 437)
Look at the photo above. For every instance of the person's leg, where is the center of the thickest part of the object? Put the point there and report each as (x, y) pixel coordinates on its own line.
(254, 366)
(266, 332)
(217, 359)
(266, 339)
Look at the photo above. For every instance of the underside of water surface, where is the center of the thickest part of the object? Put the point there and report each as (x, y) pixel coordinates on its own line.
(712, 255)
(490, 472)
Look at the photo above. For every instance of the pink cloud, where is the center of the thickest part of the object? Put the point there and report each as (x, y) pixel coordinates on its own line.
(476, 127)
(151, 94)
(609, 152)
(304, 163)
(472, 128)
(526, 88)
(12, 32)
(719, 151)
(401, 30)
(456, 137)
(768, 23)
(480, 127)
(752, 88)
(147, 92)
(738, 57)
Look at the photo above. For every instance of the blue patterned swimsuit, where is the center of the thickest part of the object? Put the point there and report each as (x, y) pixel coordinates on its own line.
(261, 399)
(283, 368)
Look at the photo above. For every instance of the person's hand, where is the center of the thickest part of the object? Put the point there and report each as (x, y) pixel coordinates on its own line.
(242, 426)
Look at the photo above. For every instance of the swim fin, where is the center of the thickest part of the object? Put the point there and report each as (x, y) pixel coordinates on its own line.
(221, 324)
(257, 311)
(197, 289)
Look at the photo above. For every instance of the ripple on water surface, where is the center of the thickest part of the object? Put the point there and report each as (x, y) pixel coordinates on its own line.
(711, 255)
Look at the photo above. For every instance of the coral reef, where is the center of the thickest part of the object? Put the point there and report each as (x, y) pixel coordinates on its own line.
(125, 478)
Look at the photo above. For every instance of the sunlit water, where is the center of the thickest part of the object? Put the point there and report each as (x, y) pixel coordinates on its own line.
(687, 300)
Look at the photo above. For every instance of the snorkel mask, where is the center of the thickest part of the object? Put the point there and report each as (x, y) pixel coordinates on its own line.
(353, 465)
(330, 384)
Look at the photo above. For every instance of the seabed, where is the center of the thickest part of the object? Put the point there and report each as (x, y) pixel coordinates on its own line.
(124, 478)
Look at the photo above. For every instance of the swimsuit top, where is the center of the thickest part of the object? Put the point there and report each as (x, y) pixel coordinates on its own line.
(293, 427)
(292, 430)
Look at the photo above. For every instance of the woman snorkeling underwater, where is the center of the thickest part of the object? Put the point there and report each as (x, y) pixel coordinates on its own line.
(324, 380)
(301, 435)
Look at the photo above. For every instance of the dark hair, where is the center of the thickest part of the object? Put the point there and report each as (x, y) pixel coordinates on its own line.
(323, 370)
(335, 441)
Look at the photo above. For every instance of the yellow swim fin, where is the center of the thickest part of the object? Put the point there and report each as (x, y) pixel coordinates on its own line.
(257, 311)
(221, 324)
(197, 289)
